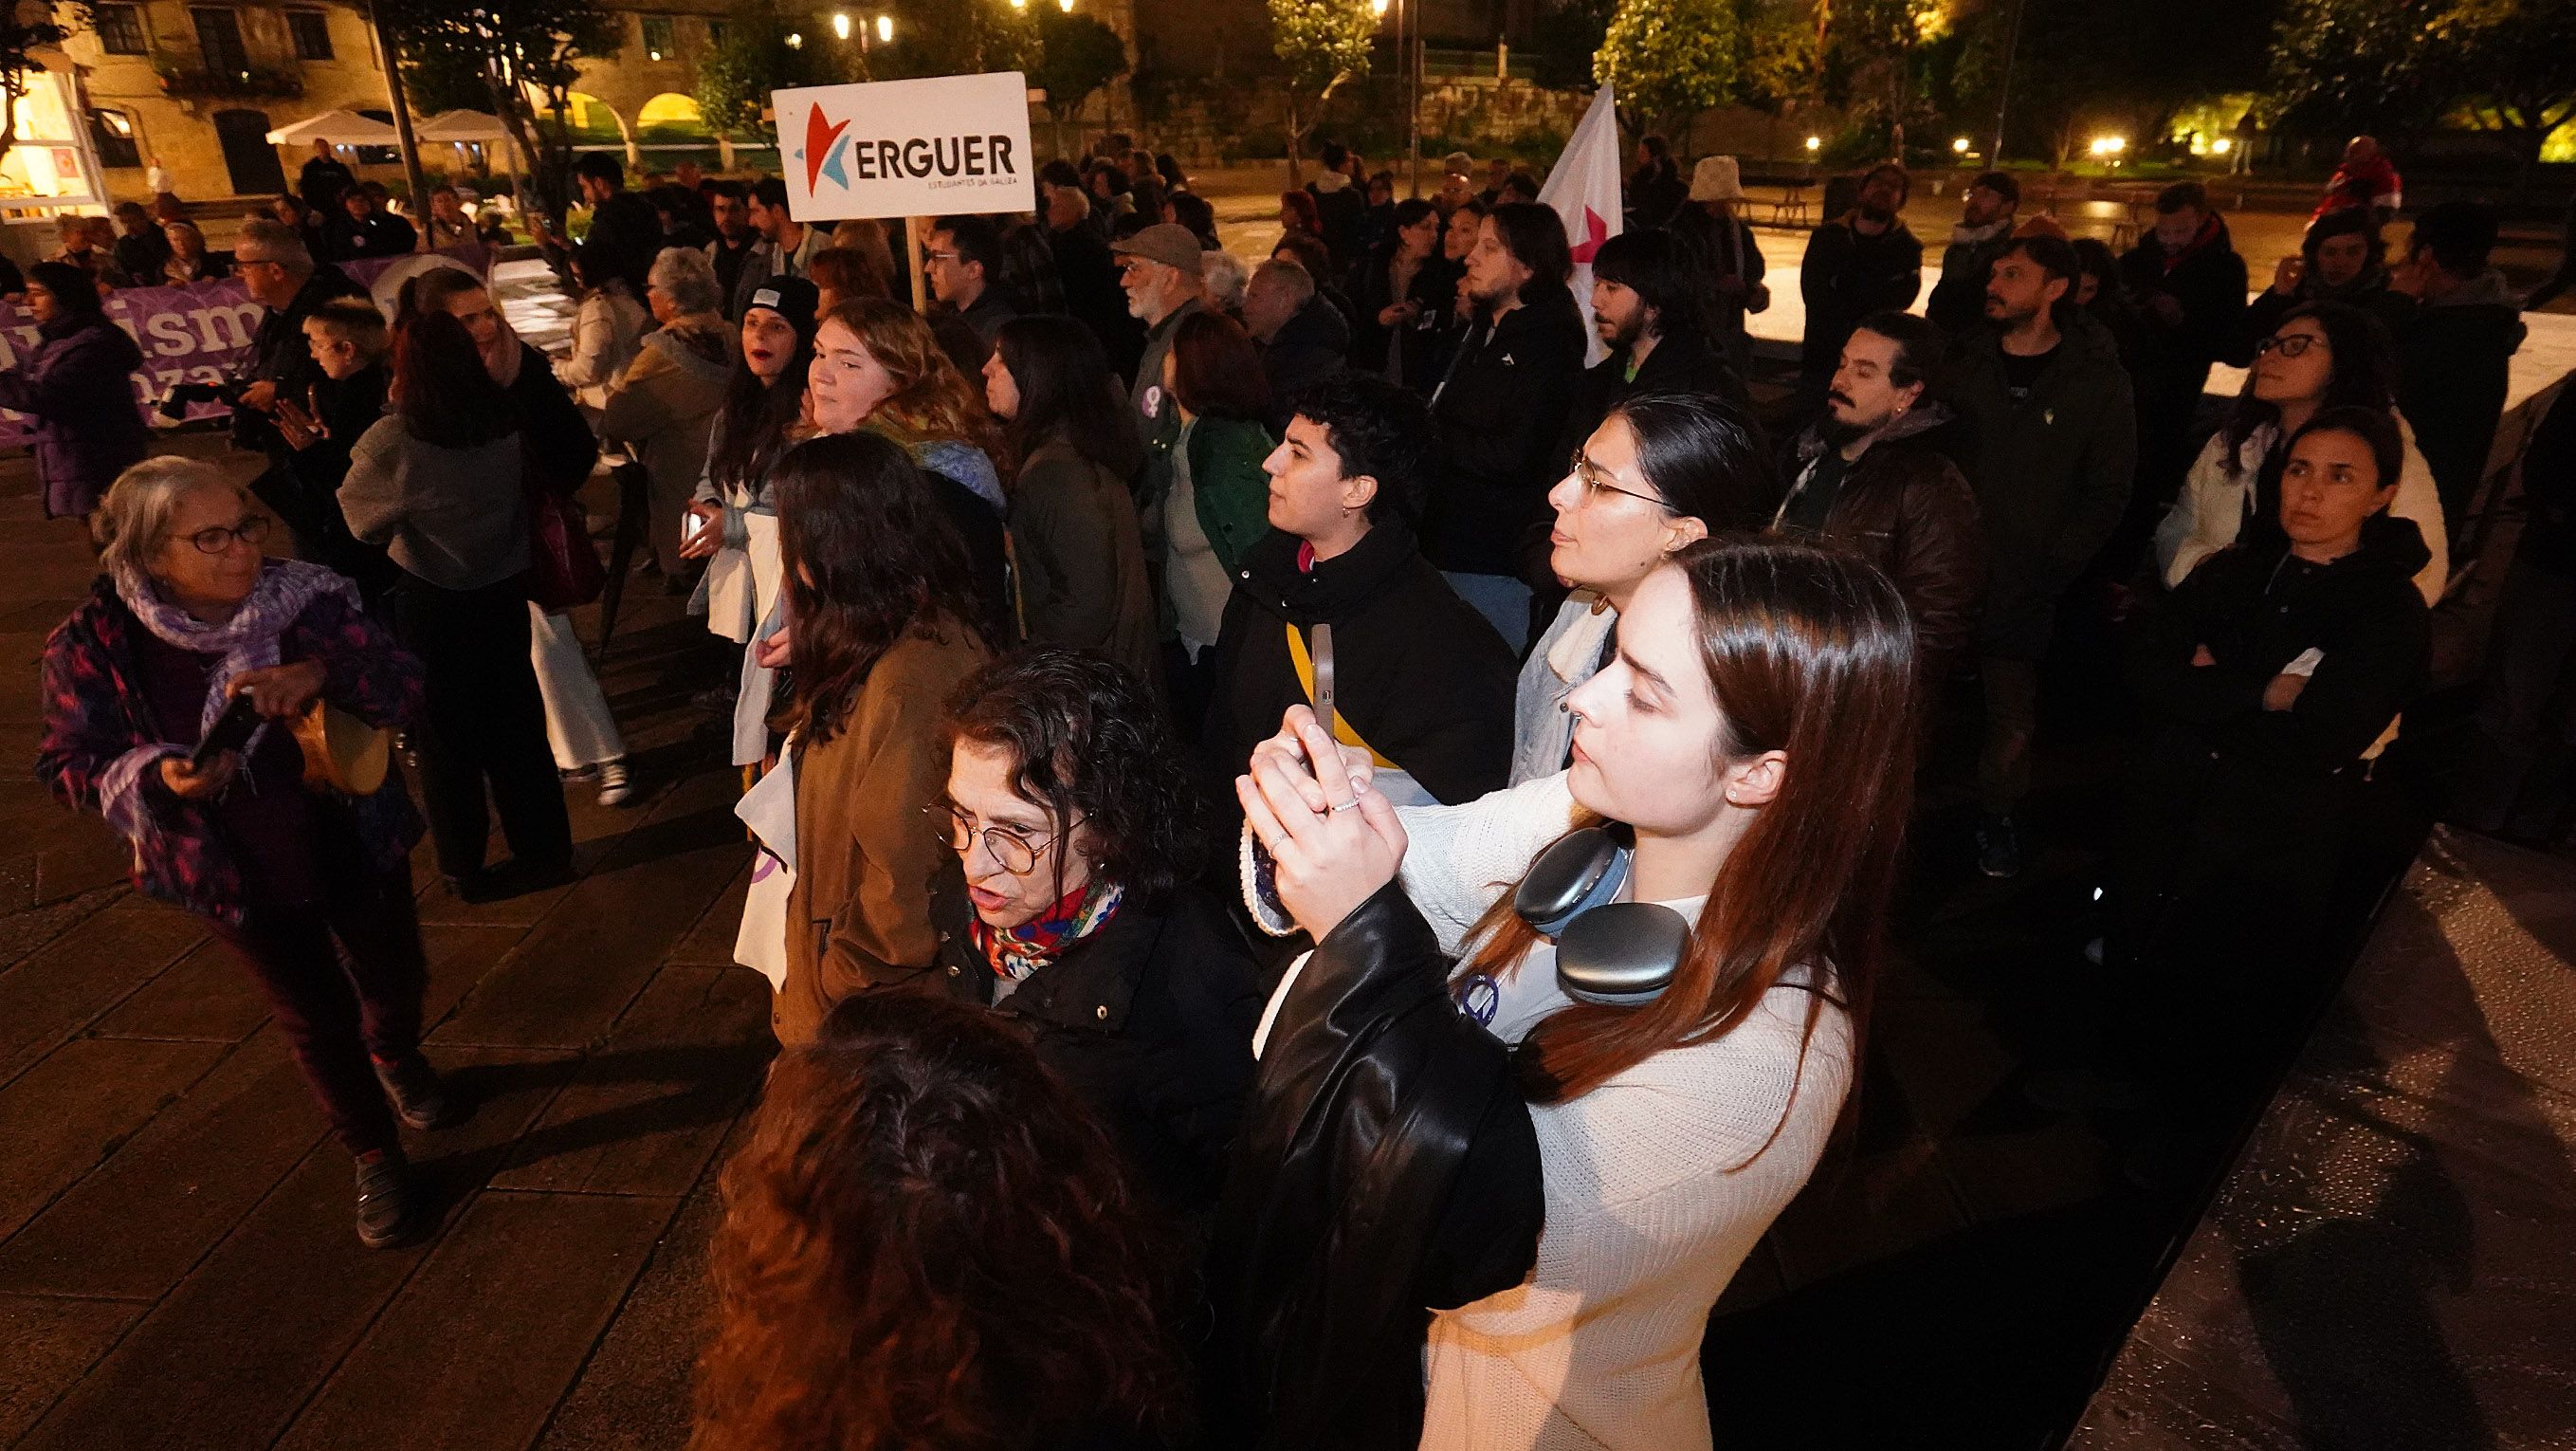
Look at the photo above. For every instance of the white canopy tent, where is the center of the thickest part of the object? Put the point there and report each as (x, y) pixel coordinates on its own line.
(466, 126)
(340, 128)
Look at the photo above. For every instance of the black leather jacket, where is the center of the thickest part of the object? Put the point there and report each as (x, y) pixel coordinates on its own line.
(1386, 1167)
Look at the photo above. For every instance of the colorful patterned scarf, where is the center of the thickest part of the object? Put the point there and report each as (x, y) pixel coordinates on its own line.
(1015, 952)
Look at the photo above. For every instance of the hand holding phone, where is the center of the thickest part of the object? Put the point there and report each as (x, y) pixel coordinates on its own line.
(230, 732)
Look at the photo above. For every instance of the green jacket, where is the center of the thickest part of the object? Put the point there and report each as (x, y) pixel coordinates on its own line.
(1226, 480)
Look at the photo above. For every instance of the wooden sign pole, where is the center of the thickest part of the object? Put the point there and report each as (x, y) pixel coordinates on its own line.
(912, 261)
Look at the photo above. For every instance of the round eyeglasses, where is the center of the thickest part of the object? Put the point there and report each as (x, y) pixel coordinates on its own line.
(216, 540)
(1014, 850)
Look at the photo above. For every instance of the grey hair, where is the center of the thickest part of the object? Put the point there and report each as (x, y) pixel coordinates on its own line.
(687, 276)
(135, 515)
(272, 241)
(1286, 274)
(1222, 274)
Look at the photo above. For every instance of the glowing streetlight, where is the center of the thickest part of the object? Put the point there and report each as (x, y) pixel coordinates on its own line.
(1815, 144)
(1378, 8)
(1960, 145)
(841, 24)
(1064, 5)
(795, 41)
(1019, 4)
(885, 29)
(2222, 145)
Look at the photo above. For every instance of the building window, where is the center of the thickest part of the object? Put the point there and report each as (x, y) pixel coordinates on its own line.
(120, 29)
(715, 33)
(657, 38)
(111, 134)
(312, 32)
(219, 40)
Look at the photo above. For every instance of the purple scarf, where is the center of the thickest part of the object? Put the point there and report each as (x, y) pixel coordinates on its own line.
(250, 640)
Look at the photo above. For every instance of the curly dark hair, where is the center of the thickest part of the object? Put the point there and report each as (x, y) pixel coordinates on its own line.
(930, 1245)
(868, 555)
(1379, 430)
(1089, 743)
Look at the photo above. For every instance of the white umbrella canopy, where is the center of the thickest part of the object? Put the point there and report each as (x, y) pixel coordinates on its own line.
(340, 128)
(460, 126)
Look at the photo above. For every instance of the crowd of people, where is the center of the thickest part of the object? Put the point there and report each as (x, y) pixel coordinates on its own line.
(1335, 854)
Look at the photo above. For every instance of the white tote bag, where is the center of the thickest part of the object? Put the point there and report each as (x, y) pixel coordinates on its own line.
(769, 809)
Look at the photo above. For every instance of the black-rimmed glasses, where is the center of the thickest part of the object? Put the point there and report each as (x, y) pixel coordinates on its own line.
(214, 541)
(2289, 345)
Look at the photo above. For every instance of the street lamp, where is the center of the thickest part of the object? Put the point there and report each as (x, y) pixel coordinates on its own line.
(1815, 144)
(885, 29)
(841, 24)
(1959, 144)
(2222, 146)
(1378, 8)
(795, 41)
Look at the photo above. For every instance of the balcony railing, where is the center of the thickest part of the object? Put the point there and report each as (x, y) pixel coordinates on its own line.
(186, 81)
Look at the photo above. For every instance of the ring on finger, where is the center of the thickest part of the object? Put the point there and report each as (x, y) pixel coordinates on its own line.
(1338, 807)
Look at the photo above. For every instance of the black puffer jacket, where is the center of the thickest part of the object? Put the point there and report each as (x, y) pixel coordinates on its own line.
(1386, 1168)
(1149, 1019)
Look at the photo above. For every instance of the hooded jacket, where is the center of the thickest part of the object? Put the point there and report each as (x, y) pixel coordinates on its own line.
(1386, 1167)
(2051, 473)
(1495, 419)
(2208, 278)
(79, 386)
(1310, 347)
(1905, 508)
(2258, 607)
(2454, 370)
(1419, 675)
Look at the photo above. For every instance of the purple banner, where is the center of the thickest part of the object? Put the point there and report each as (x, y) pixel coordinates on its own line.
(200, 333)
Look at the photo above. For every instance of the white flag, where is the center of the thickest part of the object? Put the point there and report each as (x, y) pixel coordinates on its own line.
(1584, 189)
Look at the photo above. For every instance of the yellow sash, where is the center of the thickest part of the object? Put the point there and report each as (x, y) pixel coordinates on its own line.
(1342, 731)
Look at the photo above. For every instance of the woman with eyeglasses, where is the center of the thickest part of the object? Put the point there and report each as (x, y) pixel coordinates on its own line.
(187, 619)
(1074, 913)
(2321, 355)
(1661, 470)
(437, 481)
(880, 616)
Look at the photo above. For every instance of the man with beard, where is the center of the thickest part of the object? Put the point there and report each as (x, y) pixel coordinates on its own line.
(735, 240)
(1159, 268)
(1500, 410)
(1644, 313)
(1868, 476)
(2054, 434)
(2189, 285)
(1855, 265)
(1985, 228)
(2339, 261)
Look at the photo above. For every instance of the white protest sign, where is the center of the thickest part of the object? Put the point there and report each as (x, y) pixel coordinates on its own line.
(939, 146)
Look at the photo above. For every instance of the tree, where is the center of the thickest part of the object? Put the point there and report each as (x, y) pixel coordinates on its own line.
(1325, 43)
(1077, 55)
(20, 39)
(737, 76)
(956, 38)
(2507, 66)
(2517, 63)
(526, 54)
(1669, 60)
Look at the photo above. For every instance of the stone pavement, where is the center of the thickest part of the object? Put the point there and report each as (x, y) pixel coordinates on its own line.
(177, 1262)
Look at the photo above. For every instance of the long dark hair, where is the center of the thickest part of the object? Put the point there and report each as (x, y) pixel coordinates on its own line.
(1066, 390)
(1216, 371)
(930, 1243)
(2364, 376)
(441, 388)
(1808, 652)
(753, 424)
(1706, 458)
(868, 555)
(1088, 743)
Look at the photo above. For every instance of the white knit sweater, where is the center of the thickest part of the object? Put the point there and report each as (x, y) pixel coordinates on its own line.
(1658, 1183)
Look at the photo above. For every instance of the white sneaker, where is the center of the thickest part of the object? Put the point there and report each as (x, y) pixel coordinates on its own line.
(614, 787)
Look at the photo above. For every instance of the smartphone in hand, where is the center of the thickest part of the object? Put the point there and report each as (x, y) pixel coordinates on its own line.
(230, 732)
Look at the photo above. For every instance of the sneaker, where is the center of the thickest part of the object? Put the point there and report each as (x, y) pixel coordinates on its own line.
(412, 1086)
(384, 1201)
(615, 789)
(1998, 847)
(577, 773)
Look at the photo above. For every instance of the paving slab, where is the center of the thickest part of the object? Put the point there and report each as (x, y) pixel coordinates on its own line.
(47, 1343)
(64, 986)
(447, 1366)
(63, 1116)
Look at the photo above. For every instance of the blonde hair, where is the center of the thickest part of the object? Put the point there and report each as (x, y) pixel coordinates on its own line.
(132, 520)
(931, 399)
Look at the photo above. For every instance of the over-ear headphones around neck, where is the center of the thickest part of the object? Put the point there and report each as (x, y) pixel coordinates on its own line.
(1608, 952)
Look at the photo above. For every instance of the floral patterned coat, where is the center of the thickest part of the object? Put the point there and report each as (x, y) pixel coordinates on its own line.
(96, 711)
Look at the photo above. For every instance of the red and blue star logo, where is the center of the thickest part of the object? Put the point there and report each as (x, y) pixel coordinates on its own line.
(824, 147)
